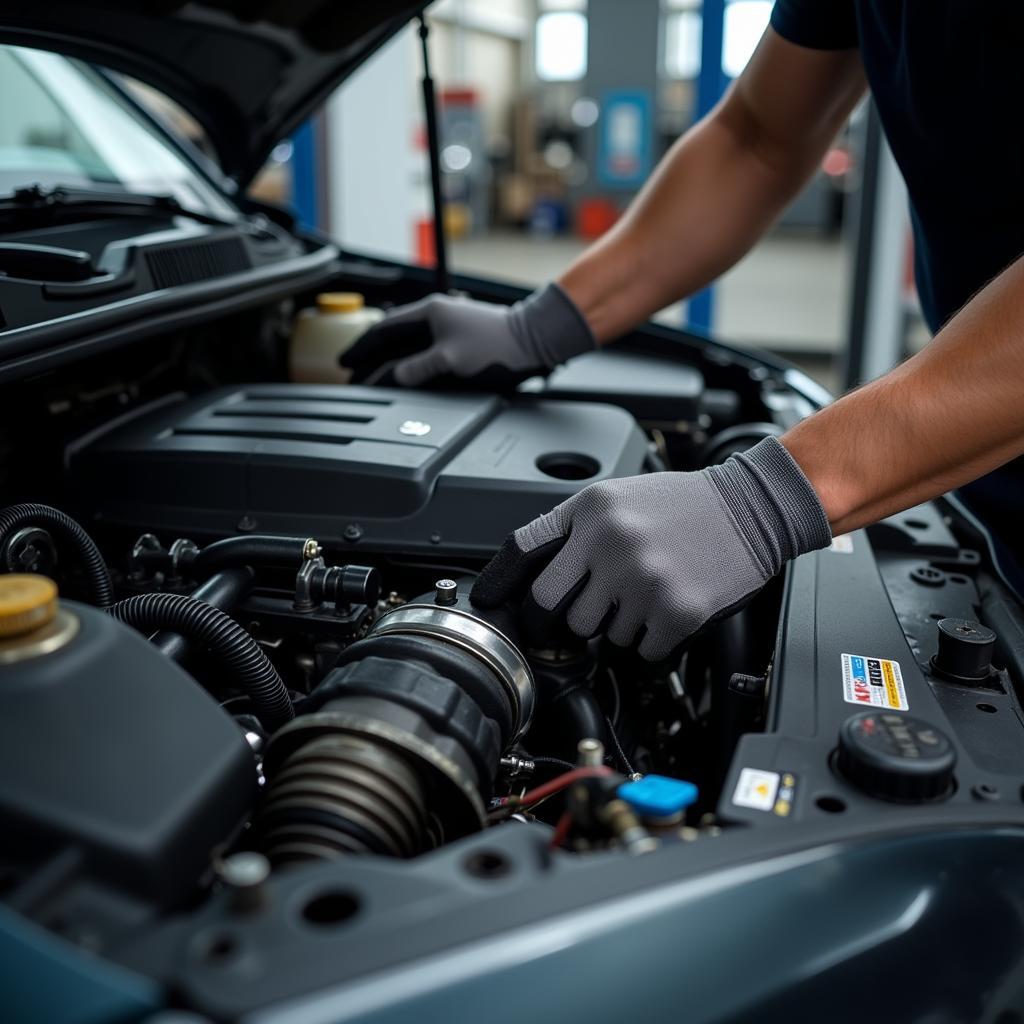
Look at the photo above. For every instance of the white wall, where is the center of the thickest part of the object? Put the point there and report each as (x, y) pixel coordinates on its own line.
(377, 171)
(372, 165)
(477, 43)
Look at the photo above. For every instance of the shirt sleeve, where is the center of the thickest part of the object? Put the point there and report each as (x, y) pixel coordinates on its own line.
(817, 24)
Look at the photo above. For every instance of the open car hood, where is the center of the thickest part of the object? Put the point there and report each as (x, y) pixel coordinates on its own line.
(250, 71)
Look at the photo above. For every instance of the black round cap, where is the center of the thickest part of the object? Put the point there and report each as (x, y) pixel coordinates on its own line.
(896, 757)
(359, 583)
(965, 650)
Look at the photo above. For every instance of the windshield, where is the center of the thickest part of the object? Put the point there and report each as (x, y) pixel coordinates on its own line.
(62, 123)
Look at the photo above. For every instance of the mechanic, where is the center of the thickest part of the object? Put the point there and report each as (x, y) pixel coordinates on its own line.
(652, 559)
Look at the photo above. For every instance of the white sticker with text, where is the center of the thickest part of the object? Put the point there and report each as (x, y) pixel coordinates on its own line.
(756, 789)
(874, 682)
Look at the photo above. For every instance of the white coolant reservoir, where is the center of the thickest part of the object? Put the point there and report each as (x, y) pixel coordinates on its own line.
(323, 333)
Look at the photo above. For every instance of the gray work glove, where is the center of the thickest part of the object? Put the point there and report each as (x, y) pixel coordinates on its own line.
(656, 558)
(488, 346)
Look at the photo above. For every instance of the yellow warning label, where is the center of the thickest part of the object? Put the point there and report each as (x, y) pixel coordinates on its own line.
(892, 691)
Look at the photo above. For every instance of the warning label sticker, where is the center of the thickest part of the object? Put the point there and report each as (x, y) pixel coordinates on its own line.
(874, 682)
(787, 795)
(756, 789)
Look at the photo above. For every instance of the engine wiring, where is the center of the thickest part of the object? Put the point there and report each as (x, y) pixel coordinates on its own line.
(503, 807)
(630, 770)
(617, 706)
(554, 762)
(561, 833)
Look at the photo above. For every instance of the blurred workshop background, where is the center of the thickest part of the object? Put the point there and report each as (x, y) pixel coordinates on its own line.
(552, 115)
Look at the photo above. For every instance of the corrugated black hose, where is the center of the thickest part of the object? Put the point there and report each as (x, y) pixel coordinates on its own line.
(64, 528)
(231, 645)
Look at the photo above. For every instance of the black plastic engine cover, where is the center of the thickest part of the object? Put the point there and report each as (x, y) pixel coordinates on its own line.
(391, 470)
(650, 388)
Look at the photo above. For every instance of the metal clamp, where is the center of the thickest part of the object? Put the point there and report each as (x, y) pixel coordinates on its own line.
(476, 636)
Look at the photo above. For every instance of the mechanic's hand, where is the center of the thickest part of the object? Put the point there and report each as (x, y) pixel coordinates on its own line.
(656, 558)
(480, 343)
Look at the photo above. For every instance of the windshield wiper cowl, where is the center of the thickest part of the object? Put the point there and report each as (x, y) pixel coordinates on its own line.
(45, 262)
(35, 203)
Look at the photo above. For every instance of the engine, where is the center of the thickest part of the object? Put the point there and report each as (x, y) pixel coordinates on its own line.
(262, 723)
(315, 695)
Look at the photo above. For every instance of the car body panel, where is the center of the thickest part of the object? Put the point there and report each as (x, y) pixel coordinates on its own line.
(250, 73)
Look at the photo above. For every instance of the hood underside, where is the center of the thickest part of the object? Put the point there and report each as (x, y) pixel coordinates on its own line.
(250, 71)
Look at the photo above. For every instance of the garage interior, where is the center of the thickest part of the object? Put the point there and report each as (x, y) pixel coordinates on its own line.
(528, 688)
(526, 89)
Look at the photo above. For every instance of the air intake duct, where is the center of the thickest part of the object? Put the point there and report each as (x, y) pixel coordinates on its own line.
(397, 749)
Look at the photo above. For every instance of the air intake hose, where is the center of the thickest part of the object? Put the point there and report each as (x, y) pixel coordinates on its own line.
(231, 645)
(397, 749)
(64, 528)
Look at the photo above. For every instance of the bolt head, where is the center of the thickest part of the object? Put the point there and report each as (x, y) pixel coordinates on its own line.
(590, 752)
(245, 870)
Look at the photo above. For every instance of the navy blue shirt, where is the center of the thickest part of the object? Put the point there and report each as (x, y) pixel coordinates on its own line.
(947, 77)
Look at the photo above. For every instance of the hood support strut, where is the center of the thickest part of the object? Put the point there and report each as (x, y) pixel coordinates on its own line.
(434, 148)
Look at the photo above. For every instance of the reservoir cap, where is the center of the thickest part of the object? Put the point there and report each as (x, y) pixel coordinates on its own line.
(658, 796)
(896, 757)
(339, 302)
(965, 650)
(27, 602)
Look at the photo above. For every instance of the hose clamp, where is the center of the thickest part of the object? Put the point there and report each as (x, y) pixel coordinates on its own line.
(477, 637)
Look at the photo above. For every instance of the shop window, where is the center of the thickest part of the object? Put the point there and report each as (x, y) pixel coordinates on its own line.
(560, 46)
(745, 22)
(682, 44)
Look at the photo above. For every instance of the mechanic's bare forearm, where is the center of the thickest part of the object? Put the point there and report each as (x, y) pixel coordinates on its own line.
(704, 208)
(943, 418)
(719, 187)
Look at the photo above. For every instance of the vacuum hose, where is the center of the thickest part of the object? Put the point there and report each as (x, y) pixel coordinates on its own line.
(223, 590)
(571, 710)
(223, 637)
(18, 517)
(252, 550)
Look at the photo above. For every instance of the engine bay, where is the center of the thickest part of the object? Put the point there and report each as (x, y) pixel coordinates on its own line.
(267, 731)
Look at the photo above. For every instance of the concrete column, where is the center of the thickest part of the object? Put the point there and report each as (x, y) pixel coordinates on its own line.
(880, 222)
(622, 54)
(699, 312)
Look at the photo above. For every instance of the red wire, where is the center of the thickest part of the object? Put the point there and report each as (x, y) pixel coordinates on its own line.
(557, 784)
(561, 832)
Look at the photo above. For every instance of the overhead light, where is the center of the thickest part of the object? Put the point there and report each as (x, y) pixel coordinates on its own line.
(584, 112)
(456, 157)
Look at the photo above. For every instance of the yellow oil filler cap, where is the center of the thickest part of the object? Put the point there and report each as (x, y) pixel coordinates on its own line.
(27, 603)
(339, 302)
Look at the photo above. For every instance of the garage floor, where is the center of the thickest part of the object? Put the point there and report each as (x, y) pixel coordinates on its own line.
(788, 295)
